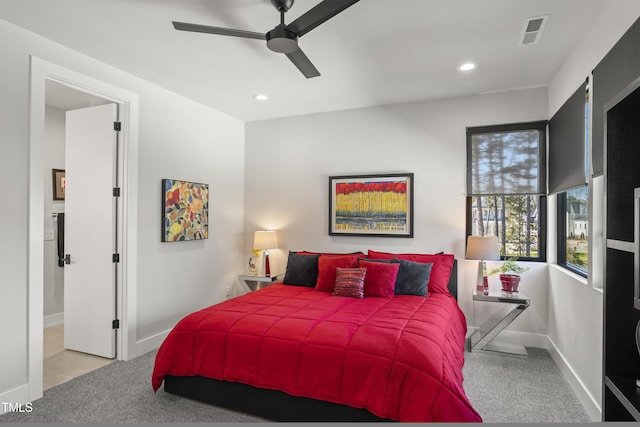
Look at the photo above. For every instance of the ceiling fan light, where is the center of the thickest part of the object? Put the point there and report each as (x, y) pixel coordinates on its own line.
(282, 40)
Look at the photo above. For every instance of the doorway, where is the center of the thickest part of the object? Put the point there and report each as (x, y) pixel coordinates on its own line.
(71, 134)
(42, 72)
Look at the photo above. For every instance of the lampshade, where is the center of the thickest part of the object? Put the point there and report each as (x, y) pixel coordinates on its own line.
(483, 248)
(265, 240)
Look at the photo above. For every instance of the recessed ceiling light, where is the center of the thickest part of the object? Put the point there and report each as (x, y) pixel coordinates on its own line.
(260, 97)
(467, 66)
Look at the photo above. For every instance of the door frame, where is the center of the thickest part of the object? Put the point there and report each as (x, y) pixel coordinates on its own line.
(128, 102)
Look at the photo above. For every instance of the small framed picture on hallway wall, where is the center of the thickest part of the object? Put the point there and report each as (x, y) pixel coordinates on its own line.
(59, 183)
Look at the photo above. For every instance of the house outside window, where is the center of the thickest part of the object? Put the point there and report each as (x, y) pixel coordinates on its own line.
(506, 187)
(573, 230)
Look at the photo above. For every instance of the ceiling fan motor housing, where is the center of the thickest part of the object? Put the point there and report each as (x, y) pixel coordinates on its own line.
(282, 5)
(281, 40)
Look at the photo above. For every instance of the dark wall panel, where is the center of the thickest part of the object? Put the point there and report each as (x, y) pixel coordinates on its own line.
(623, 166)
(619, 68)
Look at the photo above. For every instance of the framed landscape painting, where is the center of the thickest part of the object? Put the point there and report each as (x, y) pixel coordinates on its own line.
(185, 210)
(371, 205)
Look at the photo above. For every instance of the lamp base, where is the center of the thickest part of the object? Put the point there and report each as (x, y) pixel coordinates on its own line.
(267, 268)
(482, 284)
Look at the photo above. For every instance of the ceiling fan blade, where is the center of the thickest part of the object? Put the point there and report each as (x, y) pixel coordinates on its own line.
(318, 14)
(301, 61)
(183, 26)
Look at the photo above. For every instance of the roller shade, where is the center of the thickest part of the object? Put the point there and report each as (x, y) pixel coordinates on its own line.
(506, 159)
(568, 167)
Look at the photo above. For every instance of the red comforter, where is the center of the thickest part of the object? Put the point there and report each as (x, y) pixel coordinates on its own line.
(401, 358)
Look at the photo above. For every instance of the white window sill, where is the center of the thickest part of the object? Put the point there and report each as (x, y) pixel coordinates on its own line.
(571, 274)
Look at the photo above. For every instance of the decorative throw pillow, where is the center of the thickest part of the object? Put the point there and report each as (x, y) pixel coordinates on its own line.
(413, 277)
(388, 261)
(349, 282)
(329, 253)
(302, 270)
(327, 270)
(440, 271)
(380, 280)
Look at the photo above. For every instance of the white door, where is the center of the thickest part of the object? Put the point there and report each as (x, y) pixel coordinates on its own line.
(90, 230)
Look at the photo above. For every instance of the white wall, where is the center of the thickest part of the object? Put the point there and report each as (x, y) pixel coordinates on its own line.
(288, 162)
(184, 140)
(179, 139)
(575, 306)
(53, 159)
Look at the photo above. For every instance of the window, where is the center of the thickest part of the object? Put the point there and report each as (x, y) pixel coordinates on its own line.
(506, 187)
(573, 230)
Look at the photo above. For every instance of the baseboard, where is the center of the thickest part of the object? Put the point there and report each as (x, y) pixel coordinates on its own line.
(591, 406)
(53, 320)
(149, 344)
(19, 395)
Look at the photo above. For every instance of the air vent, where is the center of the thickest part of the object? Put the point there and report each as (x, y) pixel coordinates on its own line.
(532, 30)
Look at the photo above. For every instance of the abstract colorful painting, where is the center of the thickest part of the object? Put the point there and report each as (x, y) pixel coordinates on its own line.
(371, 205)
(185, 208)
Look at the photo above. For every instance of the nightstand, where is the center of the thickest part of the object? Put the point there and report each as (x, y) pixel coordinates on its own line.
(253, 283)
(482, 337)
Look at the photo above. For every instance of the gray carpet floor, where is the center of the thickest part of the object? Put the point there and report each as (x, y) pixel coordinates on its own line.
(502, 388)
(517, 389)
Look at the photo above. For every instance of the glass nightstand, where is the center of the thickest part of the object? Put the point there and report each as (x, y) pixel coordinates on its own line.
(482, 337)
(253, 283)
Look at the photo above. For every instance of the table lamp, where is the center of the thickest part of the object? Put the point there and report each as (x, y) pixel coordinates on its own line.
(265, 240)
(482, 248)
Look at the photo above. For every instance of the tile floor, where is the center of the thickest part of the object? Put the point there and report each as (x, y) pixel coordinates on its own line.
(62, 365)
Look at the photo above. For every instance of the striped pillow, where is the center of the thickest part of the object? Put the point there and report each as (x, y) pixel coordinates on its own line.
(349, 282)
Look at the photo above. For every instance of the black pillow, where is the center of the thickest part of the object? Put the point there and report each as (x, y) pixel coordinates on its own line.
(302, 270)
(412, 277)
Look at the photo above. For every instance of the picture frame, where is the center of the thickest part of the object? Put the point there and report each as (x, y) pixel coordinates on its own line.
(185, 210)
(59, 183)
(378, 205)
(255, 266)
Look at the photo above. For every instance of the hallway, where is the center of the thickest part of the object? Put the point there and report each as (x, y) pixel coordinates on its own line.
(62, 365)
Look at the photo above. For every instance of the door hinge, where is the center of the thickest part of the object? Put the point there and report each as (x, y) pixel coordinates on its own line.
(117, 126)
(116, 257)
(116, 191)
(115, 324)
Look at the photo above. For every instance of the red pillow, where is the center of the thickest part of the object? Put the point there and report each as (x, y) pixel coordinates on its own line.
(327, 270)
(329, 253)
(380, 280)
(440, 272)
(350, 282)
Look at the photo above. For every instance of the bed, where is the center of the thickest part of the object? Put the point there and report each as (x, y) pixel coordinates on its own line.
(299, 353)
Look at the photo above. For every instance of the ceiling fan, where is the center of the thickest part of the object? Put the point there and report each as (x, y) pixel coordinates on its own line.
(283, 38)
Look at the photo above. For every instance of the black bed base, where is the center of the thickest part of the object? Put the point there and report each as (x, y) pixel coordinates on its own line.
(270, 404)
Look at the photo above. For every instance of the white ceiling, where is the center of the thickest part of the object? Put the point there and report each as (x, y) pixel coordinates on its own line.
(376, 52)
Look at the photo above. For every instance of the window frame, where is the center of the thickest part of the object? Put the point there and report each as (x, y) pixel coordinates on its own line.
(541, 127)
(561, 238)
(542, 227)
